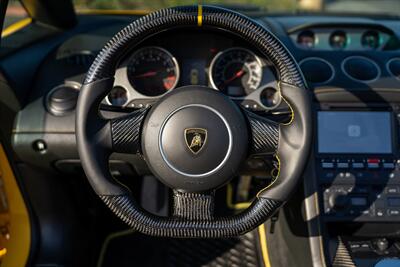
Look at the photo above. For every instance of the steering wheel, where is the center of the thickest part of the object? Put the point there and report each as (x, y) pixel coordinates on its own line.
(194, 139)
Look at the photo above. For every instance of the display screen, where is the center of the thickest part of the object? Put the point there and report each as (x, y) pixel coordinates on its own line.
(354, 132)
(394, 202)
(193, 72)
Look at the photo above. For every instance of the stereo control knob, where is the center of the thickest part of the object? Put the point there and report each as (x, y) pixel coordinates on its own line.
(381, 244)
(338, 201)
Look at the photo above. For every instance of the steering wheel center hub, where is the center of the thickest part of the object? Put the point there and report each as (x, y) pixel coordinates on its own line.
(195, 138)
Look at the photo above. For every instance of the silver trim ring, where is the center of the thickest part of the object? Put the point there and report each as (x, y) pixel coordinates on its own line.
(71, 84)
(378, 75)
(265, 87)
(333, 74)
(127, 94)
(188, 174)
(388, 68)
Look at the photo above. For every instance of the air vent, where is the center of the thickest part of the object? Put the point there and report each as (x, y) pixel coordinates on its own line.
(317, 70)
(361, 69)
(81, 59)
(62, 99)
(393, 67)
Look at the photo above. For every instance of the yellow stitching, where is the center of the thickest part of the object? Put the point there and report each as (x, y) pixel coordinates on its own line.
(276, 156)
(200, 15)
(290, 107)
(275, 178)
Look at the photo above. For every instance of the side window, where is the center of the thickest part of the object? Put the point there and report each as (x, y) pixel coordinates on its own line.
(16, 18)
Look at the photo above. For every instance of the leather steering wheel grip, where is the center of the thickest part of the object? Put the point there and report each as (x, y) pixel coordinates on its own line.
(95, 142)
(294, 143)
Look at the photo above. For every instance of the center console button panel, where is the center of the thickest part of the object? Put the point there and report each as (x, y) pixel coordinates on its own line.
(361, 189)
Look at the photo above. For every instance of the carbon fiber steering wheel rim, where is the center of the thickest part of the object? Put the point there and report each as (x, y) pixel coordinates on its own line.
(193, 211)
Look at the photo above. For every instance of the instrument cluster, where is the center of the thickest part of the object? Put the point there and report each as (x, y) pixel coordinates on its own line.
(152, 71)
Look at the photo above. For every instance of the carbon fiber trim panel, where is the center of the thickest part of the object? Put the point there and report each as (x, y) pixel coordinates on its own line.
(125, 132)
(342, 257)
(265, 134)
(239, 252)
(126, 209)
(106, 61)
(193, 206)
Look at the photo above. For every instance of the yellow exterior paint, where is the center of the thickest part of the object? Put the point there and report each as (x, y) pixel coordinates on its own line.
(263, 243)
(15, 27)
(18, 240)
(3, 252)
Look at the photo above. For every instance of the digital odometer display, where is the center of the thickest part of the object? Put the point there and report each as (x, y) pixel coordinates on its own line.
(355, 132)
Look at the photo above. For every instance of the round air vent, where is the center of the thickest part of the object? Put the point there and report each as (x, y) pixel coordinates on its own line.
(317, 70)
(361, 69)
(62, 99)
(393, 67)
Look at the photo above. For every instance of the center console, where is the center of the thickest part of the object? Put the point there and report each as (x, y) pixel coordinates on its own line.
(358, 164)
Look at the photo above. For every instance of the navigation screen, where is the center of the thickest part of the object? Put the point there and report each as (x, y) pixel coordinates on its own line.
(354, 132)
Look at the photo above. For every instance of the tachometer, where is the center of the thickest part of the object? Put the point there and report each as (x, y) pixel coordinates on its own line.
(152, 71)
(236, 72)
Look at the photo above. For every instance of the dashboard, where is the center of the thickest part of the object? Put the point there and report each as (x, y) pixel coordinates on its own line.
(352, 67)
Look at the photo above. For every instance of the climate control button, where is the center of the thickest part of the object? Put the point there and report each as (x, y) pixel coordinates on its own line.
(327, 165)
(358, 165)
(343, 165)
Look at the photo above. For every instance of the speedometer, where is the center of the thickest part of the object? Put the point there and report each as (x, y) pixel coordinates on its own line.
(152, 71)
(236, 72)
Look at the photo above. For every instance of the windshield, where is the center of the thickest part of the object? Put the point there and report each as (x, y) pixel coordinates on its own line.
(372, 7)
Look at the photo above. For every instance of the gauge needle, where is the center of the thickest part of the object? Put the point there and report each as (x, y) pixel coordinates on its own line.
(235, 76)
(146, 74)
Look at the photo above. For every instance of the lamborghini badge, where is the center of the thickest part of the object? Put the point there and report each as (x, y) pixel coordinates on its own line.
(195, 139)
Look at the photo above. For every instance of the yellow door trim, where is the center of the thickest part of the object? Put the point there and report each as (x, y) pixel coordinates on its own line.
(15, 27)
(17, 239)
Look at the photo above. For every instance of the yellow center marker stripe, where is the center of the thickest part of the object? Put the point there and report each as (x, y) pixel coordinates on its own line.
(199, 15)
